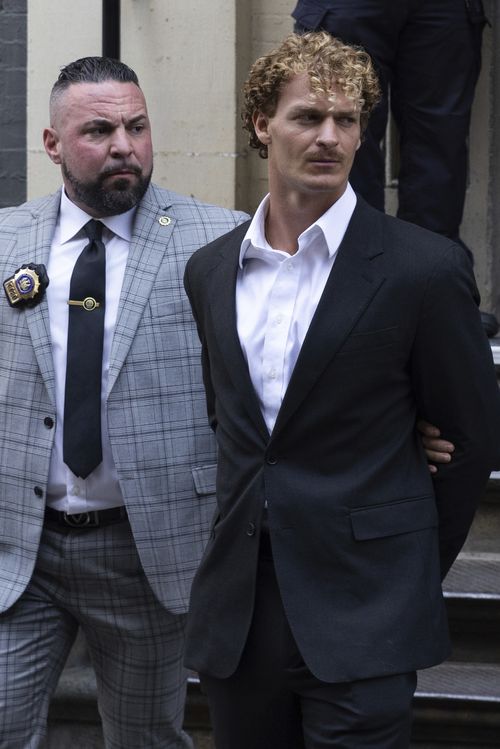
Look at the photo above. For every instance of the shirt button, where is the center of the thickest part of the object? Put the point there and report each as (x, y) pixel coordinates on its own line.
(250, 529)
(38, 491)
(271, 460)
(75, 490)
(49, 422)
(272, 374)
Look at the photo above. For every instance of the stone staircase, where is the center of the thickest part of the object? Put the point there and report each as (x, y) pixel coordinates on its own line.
(457, 704)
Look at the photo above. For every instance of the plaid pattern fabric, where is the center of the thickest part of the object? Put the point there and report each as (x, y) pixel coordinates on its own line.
(94, 579)
(162, 446)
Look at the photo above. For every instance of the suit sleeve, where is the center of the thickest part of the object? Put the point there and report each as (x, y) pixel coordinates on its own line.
(205, 363)
(456, 388)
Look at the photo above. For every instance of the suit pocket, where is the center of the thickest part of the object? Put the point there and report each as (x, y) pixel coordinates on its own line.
(204, 479)
(370, 340)
(394, 518)
(168, 307)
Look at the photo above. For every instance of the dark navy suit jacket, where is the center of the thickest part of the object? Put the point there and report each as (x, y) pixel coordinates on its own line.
(361, 533)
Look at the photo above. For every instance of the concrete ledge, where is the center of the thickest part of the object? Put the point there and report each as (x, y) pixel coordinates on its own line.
(440, 723)
(454, 682)
(458, 705)
(474, 576)
(495, 350)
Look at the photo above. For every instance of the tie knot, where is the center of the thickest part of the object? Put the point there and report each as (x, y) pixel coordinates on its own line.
(93, 230)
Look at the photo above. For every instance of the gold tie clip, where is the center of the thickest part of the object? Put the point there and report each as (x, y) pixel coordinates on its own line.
(88, 304)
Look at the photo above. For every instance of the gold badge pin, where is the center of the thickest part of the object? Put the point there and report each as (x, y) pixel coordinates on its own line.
(22, 286)
(164, 220)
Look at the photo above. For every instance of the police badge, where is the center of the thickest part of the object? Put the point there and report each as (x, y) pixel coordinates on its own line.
(27, 285)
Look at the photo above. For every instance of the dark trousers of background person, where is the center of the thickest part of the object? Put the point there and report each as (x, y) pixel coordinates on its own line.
(273, 701)
(428, 54)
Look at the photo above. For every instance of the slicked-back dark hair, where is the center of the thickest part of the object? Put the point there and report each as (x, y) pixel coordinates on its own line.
(92, 70)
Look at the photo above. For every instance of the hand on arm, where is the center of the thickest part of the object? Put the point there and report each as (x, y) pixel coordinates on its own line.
(454, 380)
(436, 449)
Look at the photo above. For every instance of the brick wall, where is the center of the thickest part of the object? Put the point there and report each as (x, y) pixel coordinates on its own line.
(13, 101)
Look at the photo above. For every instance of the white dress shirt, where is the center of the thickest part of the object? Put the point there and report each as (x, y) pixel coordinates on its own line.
(100, 489)
(277, 295)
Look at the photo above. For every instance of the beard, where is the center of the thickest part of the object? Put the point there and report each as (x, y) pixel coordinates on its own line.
(105, 201)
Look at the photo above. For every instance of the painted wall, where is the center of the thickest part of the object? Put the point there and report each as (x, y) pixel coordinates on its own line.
(58, 32)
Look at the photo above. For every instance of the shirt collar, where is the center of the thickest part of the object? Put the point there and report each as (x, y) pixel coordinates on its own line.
(333, 225)
(72, 219)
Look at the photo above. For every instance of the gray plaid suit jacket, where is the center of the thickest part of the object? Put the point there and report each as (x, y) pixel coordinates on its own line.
(162, 446)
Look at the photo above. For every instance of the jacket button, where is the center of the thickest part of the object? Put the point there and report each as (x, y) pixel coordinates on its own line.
(49, 422)
(38, 491)
(251, 529)
(272, 460)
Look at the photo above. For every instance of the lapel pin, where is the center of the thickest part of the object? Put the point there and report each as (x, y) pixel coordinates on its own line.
(164, 220)
(27, 285)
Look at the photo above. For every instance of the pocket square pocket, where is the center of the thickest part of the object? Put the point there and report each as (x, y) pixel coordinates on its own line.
(168, 307)
(204, 479)
(370, 340)
(394, 518)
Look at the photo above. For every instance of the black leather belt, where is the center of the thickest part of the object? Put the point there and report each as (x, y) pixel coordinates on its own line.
(94, 519)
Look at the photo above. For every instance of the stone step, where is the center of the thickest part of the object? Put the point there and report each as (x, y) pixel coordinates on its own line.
(484, 535)
(472, 593)
(495, 350)
(488, 510)
(456, 682)
(493, 488)
(474, 576)
(458, 705)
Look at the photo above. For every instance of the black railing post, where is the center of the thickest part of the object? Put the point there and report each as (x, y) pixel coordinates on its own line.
(111, 28)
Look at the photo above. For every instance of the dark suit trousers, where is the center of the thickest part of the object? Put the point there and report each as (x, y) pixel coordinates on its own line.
(428, 54)
(273, 701)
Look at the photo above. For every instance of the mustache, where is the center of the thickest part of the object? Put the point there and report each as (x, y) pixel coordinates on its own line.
(326, 156)
(117, 168)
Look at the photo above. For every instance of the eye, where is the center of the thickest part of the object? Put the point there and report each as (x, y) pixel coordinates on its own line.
(346, 121)
(98, 130)
(307, 117)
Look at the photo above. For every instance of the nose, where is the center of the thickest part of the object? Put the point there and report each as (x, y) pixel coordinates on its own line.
(327, 133)
(121, 143)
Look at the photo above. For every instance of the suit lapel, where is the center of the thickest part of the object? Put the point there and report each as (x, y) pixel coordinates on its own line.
(223, 311)
(153, 227)
(33, 246)
(352, 284)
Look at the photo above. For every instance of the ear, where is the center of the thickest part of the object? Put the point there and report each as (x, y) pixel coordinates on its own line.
(261, 127)
(52, 144)
(359, 143)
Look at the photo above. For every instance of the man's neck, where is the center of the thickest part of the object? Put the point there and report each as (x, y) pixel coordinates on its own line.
(288, 217)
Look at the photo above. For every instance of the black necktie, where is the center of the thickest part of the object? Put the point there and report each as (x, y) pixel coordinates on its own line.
(82, 447)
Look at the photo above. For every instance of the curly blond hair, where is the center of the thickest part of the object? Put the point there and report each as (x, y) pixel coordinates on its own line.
(326, 60)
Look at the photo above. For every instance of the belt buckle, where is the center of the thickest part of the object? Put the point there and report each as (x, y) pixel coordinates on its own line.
(82, 520)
